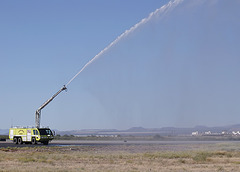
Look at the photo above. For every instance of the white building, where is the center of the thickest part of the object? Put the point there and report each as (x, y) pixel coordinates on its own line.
(195, 133)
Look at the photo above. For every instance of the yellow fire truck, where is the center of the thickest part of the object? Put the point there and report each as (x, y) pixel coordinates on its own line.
(20, 135)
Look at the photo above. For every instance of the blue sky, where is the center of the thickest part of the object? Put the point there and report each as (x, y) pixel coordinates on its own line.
(179, 69)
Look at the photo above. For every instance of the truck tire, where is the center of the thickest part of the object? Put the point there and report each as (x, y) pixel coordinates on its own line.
(20, 140)
(34, 141)
(15, 140)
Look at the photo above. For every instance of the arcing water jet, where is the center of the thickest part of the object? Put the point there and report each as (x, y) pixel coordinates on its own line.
(163, 10)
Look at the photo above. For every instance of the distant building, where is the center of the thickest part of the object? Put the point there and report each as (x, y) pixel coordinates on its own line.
(236, 133)
(207, 133)
(224, 133)
(195, 133)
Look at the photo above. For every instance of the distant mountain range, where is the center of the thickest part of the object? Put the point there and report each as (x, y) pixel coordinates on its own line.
(153, 131)
(165, 131)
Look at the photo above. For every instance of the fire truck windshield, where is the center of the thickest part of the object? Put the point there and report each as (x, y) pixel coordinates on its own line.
(45, 131)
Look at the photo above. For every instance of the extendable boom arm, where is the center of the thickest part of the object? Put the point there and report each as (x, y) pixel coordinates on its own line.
(38, 111)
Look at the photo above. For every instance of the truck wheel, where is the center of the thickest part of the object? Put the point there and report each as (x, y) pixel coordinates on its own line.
(34, 141)
(15, 140)
(20, 140)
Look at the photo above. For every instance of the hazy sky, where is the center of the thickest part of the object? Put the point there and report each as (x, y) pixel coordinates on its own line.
(179, 69)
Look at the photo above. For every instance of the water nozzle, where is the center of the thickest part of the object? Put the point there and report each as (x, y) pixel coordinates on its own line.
(64, 88)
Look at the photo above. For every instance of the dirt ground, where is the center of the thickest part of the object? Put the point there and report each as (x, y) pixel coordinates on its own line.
(135, 157)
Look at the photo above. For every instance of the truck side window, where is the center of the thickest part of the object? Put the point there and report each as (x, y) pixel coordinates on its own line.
(34, 132)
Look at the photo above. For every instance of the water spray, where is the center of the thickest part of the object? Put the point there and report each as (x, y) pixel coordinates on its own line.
(163, 10)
